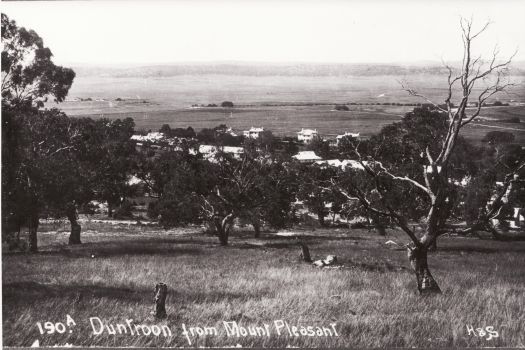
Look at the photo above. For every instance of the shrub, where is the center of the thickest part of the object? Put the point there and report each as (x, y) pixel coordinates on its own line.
(511, 120)
(341, 108)
(125, 211)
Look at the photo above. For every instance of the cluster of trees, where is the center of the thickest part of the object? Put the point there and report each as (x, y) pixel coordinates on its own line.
(52, 165)
(224, 104)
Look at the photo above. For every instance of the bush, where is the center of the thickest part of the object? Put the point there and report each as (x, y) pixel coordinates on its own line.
(341, 108)
(498, 137)
(14, 243)
(228, 104)
(125, 211)
(358, 225)
(511, 120)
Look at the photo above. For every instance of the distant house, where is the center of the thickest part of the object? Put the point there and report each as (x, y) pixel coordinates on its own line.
(346, 134)
(307, 157)
(253, 133)
(209, 151)
(231, 132)
(306, 135)
(151, 137)
(342, 164)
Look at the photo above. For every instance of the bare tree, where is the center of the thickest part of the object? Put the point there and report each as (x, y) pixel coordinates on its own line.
(474, 73)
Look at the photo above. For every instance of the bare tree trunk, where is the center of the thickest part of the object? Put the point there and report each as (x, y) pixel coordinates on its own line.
(110, 210)
(305, 253)
(256, 227)
(161, 292)
(74, 236)
(33, 228)
(378, 224)
(223, 234)
(320, 217)
(223, 228)
(418, 261)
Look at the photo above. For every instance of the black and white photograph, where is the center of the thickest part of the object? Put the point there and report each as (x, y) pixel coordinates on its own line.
(263, 174)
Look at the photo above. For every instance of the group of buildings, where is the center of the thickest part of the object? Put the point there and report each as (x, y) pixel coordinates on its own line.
(304, 136)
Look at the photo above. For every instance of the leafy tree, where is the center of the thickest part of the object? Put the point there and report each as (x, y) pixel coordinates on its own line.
(177, 132)
(115, 159)
(485, 201)
(38, 177)
(314, 188)
(227, 104)
(165, 129)
(219, 191)
(320, 147)
(29, 76)
(498, 137)
(32, 139)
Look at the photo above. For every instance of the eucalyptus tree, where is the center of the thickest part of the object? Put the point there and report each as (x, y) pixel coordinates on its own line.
(431, 178)
(29, 76)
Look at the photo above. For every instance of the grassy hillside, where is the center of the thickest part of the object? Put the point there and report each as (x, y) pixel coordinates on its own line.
(372, 299)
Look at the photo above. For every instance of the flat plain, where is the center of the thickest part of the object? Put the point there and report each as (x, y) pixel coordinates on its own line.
(282, 104)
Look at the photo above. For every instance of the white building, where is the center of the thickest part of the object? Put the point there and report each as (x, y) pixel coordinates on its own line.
(346, 134)
(151, 137)
(253, 133)
(307, 157)
(209, 151)
(306, 135)
(343, 164)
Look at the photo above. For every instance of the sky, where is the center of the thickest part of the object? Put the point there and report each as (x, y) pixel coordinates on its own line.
(158, 32)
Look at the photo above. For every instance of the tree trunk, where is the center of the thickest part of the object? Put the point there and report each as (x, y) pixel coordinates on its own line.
(378, 224)
(426, 284)
(110, 210)
(305, 253)
(257, 228)
(161, 292)
(223, 235)
(74, 236)
(320, 217)
(33, 228)
(223, 228)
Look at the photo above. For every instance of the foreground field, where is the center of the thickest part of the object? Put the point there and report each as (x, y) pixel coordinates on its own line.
(372, 299)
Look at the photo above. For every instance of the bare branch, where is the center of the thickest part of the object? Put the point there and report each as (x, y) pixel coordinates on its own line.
(403, 178)
(414, 93)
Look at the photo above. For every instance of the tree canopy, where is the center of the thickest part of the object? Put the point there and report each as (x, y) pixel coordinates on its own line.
(29, 76)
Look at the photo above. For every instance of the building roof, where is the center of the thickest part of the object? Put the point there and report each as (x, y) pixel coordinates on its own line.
(208, 149)
(343, 164)
(307, 155)
(152, 136)
(252, 129)
(351, 134)
(307, 132)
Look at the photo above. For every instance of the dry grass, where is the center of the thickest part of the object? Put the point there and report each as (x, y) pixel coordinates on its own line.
(256, 281)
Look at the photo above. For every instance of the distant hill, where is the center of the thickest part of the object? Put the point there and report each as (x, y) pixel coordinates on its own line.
(260, 69)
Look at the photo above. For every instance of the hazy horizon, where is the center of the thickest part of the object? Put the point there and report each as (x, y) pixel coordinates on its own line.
(332, 32)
